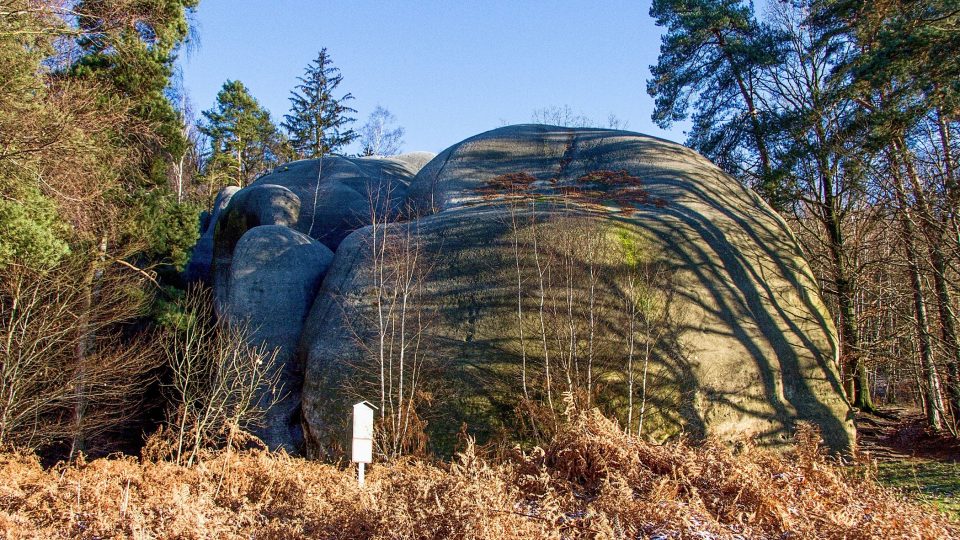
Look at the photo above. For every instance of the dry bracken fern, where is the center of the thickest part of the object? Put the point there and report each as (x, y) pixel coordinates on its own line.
(591, 481)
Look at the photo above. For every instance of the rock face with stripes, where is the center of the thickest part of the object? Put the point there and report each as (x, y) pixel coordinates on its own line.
(542, 267)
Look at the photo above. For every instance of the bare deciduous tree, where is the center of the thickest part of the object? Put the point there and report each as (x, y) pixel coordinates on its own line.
(560, 116)
(564, 116)
(395, 363)
(378, 137)
(599, 305)
(67, 371)
(644, 291)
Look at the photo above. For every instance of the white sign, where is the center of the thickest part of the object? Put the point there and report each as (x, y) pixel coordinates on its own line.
(362, 432)
(362, 436)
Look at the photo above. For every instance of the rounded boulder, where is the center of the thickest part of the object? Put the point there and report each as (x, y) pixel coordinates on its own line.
(274, 276)
(560, 267)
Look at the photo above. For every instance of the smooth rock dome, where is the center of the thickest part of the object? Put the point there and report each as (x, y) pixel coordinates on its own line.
(333, 195)
(535, 248)
(198, 268)
(273, 278)
(341, 201)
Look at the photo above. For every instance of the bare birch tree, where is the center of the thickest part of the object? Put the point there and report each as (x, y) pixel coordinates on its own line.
(395, 363)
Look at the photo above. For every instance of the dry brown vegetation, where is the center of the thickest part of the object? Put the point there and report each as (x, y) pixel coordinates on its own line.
(592, 481)
(69, 373)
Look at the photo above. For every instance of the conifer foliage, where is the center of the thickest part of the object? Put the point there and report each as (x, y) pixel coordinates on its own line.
(318, 121)
(244, 142)
(89, 228)
(710, 58)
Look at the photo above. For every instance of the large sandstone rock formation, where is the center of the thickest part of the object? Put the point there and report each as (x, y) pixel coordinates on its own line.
(343, 188)
(266, 248)
(533, 248)
(347, 187)
(274, 276)
(254, 206)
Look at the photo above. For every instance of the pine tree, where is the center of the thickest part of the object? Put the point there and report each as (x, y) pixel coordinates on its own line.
(33, 233)
(127, 51)
(902, 71)
(244, 140)
(86, 137)
(709, 58)
(137, 61)
(761, 111)
(317, 122)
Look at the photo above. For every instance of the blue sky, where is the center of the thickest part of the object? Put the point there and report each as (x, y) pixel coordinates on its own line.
(446, 69)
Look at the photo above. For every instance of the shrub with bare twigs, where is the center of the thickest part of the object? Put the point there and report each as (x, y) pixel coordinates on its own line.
(221, 385)
(68, 372)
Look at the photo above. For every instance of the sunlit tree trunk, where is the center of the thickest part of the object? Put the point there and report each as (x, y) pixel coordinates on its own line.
(933, 398)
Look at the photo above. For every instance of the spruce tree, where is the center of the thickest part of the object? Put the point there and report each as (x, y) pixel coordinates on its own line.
(318, 120)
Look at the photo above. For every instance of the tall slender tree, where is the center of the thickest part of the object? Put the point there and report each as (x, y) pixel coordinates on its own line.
(843, 113)
(318, 120)
(904, 79)
(819, 162)
(132, 47)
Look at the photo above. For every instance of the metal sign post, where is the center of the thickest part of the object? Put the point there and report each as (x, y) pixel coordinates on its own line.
(362, 448)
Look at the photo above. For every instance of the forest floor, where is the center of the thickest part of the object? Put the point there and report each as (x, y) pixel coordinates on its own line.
(923, 465)
(589, 481)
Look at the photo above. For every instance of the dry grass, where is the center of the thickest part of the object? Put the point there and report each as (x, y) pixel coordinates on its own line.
(592, 481)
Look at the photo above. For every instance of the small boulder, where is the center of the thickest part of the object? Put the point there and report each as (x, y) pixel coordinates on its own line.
(250, 207)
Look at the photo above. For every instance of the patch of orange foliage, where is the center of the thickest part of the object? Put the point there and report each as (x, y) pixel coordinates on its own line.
(592, 481)
(511, 182)
(606, 178)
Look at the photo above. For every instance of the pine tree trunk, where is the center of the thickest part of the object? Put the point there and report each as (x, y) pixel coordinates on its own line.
(85, 346)
(933, 394)
(765, 171)
(855, 374)
(932, 227)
